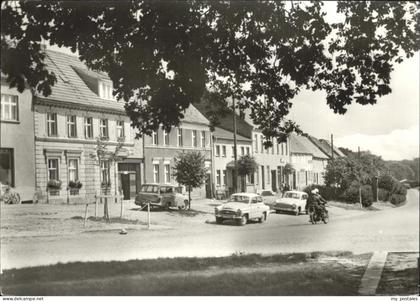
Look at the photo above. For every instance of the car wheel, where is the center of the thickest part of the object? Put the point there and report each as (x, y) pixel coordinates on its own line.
(168, 206)
(263, 218)
(219, 220)
(325, 218)
(243, 221)
(278, 211)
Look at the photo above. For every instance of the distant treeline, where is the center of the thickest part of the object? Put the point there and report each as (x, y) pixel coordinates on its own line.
(404, 169)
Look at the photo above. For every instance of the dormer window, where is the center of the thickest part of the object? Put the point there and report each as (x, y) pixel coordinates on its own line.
(105, 90)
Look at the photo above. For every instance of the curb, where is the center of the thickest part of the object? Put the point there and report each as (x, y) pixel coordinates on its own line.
(372, 275)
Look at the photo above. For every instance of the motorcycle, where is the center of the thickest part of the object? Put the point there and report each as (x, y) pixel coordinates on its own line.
(318, 215)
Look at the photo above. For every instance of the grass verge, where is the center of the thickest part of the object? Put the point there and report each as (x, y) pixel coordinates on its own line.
(276, 275)
(400, 275)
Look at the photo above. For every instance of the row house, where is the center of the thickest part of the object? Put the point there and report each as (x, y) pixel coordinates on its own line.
(223, 159)
(160, 149)
(271, 161)
(308, 162)
(17, 150)
(72, 124)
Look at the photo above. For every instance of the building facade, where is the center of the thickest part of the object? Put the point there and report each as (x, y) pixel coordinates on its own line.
(162, 147)
(271, 161)
(223, 158)
(17, 150)
(84, 145)
(308, 162)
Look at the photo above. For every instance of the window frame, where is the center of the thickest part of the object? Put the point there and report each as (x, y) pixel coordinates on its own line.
(52, 125)
(71, 125)
(88, 127)
(76, 169)
(12, 107)
(165, 139)
(194, 139)
(180, 138)
(57, 169)
(203, 139)
(167, 173)
(101, 126)
(156, 176)
(120, 126)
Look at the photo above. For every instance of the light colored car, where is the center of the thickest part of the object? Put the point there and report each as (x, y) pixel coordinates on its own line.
(269, 197)
(161, 195)
(292, 201)
(242, 207)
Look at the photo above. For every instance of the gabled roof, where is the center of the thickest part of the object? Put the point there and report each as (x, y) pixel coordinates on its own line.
(302, 145)
(226, 120)
(223, 134)
(77, 86)
(193, 115)
(71, 88)
(325, 146)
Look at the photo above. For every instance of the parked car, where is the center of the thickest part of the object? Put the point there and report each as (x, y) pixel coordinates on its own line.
(161, 195)
(269, 197)
(292, 201)
(242, 207)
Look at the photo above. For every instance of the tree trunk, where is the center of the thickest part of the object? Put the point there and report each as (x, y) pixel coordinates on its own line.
(189, 197)
(106, 211)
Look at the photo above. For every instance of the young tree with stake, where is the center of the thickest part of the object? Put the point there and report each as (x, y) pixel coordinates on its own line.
(190, 170)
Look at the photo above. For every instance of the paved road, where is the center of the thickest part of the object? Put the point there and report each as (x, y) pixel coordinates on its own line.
(394, 229)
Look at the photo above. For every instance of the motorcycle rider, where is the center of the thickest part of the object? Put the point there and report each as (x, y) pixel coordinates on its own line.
(316, 201)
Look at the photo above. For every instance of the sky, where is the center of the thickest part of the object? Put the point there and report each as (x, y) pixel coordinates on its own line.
(390, 128)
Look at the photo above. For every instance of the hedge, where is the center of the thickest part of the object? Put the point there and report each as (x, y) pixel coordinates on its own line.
(397, 199)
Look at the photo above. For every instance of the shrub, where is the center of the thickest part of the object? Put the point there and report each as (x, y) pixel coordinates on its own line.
(397, 199)
(367, 195)
(386, 182)
(383, 195)
(54, 184)
(398, 188)
(351, 194)
(75, 184)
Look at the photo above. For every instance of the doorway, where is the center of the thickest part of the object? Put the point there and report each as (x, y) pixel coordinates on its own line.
(262, 177)
(128, 185)
(273, 180)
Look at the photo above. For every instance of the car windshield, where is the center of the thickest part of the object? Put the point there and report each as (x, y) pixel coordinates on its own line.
(239, 199)
(292, 195)
(149, 188)
(266, 193)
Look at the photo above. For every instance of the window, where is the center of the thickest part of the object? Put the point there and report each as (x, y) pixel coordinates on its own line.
(233, 151)
(105, 177)
(242, 150)
(262, 144)
(9, 107)
(52, 124)
(155, 173)
(88, 127)
(224, 151)
(194, 138)
(217, 151)
(105, 90)
(179, 134)
(224, 178)
(282, 148)
(71, 126)
(155, 140)
(167, 173)
(73, 170)
(165, 137)
(272, 147)
(120, 129)
(247, 150)
(268, 174)
(7, 170)
(218, 177)
(278, 148)
(256, 143)
(285, 148)
(203, 139)
(53, 169)
(103, 128)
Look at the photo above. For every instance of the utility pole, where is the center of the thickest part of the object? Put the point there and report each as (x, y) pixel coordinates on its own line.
(235, 153)
(360, 187)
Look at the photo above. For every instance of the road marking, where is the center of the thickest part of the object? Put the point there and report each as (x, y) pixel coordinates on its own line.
(372, 275)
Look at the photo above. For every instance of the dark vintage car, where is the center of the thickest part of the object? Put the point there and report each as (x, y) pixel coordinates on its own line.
(161, 195)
